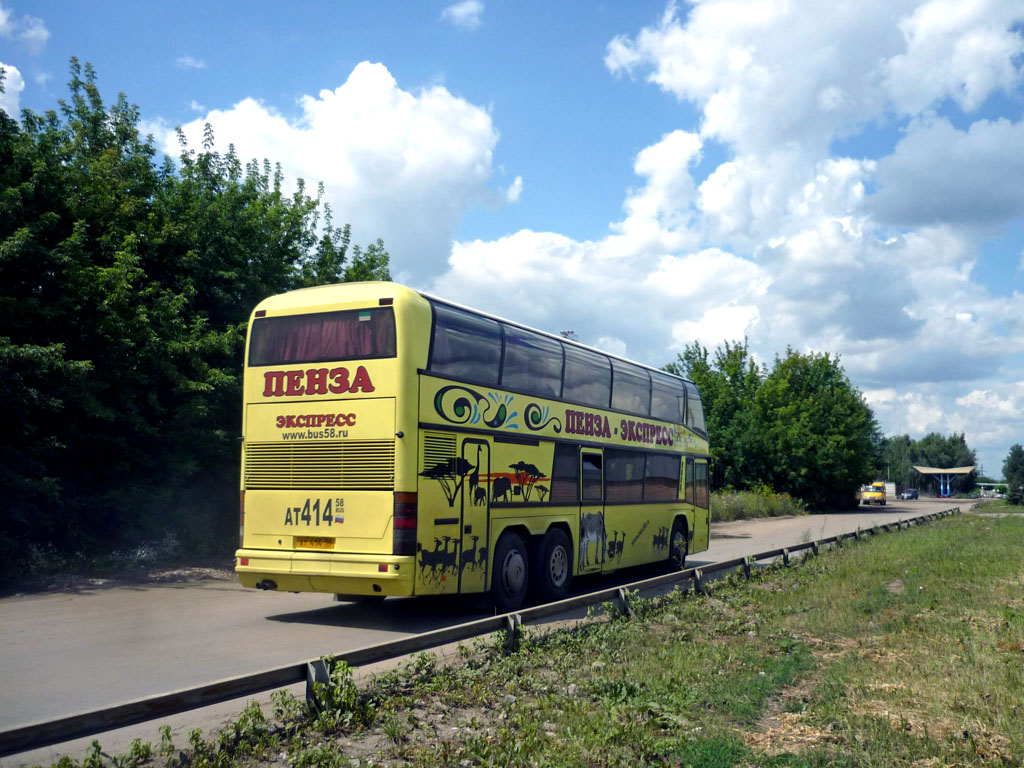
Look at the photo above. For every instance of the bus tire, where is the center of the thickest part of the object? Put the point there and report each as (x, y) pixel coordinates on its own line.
(510, 577)
(678, 545)
(551, 566)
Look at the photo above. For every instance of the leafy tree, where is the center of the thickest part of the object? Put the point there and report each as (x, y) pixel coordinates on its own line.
(125, 288)
(800, 428)
(896, 461)
(821, 435)
(727, 384)
(1013, 474)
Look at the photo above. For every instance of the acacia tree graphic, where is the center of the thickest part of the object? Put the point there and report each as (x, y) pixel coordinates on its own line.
(450, 474)
(526, 476)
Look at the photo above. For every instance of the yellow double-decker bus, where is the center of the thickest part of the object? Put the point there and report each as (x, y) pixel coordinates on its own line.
(397, 444)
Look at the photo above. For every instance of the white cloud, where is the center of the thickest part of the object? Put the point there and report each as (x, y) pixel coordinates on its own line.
(957, 49)
(769, 72)
(991, 402)
(34, 33)
(941, 174)
(14, 84)
(515, 190)
(784, 241)
(871, 253)
(466, 14)
(31, 31)
(397, 165)
(189, 62)
(916, 413)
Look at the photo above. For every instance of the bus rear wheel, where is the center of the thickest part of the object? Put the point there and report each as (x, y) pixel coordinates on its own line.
(551, 566)
(678, 545)
(511, 573)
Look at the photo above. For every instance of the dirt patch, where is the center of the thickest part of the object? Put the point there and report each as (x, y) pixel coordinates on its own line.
(780, 731)
(77, 583)
(896, 586)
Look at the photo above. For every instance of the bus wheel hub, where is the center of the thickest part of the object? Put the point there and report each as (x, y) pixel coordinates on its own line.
(513, 572)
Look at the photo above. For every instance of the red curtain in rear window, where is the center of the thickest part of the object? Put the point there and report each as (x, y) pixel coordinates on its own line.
(323, 336)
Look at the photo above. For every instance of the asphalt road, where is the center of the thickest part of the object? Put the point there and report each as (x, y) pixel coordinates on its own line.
(68, 652)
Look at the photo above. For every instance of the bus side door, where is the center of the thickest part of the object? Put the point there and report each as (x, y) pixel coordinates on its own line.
(475, 516)
(593, 536)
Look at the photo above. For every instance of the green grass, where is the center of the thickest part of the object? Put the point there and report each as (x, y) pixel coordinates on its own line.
(900, 650)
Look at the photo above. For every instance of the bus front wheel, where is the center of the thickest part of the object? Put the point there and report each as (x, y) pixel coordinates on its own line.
(511, 569)
(678, 545)
(551, 566)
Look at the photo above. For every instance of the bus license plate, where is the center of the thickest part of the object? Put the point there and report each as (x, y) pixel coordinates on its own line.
(314, 542)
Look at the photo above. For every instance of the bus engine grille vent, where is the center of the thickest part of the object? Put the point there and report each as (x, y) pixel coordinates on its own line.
(344, 466)
(438, 448)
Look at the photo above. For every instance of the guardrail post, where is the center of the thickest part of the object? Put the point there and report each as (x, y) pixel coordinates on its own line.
(513, 626)
(785, 556)
(624, 606)
(698, 582)
(814, 548)
(316, 672)
(746, 568)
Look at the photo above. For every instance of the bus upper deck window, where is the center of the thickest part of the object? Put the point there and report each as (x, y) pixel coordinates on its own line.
(631, 388)
(533, 363)
(588, 377)
(465, 346)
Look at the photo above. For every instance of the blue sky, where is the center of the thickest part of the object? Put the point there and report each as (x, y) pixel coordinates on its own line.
(840, 178)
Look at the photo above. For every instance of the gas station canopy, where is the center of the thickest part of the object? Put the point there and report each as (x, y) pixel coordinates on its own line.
(944, 476)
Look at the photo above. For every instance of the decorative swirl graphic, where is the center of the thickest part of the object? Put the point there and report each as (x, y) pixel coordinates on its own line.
(538, 417)
(461, 405)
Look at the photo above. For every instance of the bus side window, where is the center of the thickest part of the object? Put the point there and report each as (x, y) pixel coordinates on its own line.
(588, 377)
(668, 398)
(465, 346)
(694, 410)
(565, 474)
(701, 485)
(592, 476)
(532, 363)
(631, 388)
(688, 497)
(624, 474)
(661, 479)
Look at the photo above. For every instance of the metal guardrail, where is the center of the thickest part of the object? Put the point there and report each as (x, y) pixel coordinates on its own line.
(46, 733)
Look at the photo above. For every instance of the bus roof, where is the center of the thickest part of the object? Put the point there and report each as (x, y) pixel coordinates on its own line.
(319, 295)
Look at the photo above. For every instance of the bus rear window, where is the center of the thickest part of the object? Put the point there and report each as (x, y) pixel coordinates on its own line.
(351, 334)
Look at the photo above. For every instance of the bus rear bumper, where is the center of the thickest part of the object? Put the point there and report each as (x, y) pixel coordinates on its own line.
(349, 574)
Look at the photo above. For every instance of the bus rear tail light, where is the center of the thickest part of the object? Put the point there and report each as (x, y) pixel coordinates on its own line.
(405, 524)
(241, 518)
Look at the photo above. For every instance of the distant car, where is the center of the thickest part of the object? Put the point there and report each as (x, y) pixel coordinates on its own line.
(873, 494)
(909, 493)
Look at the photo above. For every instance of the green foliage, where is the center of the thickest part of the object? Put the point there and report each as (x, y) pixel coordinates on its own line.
(125, 288)
(339, 704)
(759, 501)
(801, 427)
(166, 742)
